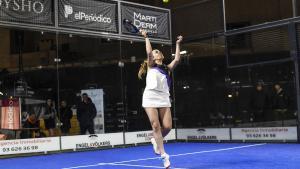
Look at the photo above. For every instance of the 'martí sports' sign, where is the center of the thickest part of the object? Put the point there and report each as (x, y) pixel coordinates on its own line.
(146, 22)
(154, 21)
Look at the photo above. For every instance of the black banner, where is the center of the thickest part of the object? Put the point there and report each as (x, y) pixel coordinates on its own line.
(38, 12)
(89, 14)
(154, 21)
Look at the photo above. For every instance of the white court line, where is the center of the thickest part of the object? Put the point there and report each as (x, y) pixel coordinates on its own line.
(199, 152)
(224, 149)
(142, 166)
(176, 155)
(86, 166)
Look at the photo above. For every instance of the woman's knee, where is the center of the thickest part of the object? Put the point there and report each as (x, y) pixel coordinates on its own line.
(167, 124)
(155, 126)
(167, 127)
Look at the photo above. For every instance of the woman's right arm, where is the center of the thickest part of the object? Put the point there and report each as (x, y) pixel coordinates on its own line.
(148, 48)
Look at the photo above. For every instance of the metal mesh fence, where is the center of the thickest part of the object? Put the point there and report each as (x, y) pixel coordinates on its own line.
(198, 18)
(243, 13)
(258, 46)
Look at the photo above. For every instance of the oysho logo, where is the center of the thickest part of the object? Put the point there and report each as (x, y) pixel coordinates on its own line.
(10, 114)
(35, 6)
(86, 17)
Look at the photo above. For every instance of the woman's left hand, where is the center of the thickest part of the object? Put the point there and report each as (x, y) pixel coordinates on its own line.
(179, 39)
(144, 33)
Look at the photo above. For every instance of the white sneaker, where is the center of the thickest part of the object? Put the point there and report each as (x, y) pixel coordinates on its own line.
(155, 147)
(166, 160)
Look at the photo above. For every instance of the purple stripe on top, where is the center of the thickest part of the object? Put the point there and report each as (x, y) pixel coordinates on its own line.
(169, 80)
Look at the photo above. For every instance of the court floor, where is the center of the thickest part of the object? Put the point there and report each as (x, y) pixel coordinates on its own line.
(182, 155)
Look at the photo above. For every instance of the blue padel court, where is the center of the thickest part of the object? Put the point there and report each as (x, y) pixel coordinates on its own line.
(182, 156)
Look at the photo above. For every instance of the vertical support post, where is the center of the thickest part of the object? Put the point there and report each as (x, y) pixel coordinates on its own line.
(294, 54)
(295, 11)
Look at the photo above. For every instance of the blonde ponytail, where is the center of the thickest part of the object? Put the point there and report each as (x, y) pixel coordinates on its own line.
(143, 69)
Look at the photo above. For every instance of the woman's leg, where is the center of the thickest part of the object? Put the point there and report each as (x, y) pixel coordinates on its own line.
(155, 124)
(166, 120)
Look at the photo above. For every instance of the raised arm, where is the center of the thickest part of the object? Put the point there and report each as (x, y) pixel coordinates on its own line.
(176, 60)
(148, 48)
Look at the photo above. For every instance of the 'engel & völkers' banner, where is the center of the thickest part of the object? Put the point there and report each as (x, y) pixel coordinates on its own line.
(94, 15)
(154, 21)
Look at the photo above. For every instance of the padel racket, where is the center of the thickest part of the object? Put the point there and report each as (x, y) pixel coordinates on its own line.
(130, 27)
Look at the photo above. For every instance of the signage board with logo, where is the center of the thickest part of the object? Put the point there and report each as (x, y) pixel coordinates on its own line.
(37, 12)
(88, 17)
(29, 145)
(155, 21)
(265, 133)
(144, 137)
(204, 134)
(97, 15)
(91, 141)
(10, 114)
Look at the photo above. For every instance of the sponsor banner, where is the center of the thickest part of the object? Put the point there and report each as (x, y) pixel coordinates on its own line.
(265, 133)
(95, 15)
(154, 21)
(144, 136)
(204, 134)
(29, 145)
(38, 12)
(91, 141)
(171, 135)
(10, 114)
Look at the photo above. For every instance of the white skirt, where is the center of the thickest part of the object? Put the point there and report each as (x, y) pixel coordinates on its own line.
(157, 99)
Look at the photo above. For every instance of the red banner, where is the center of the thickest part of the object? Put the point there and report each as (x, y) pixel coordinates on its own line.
(10, 114)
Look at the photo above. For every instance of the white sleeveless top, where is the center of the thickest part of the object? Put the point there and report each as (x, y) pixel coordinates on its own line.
(156, 93)
(157, 81)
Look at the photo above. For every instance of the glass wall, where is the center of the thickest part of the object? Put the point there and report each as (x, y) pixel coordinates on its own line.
(29, 72)
(73, 86)
(199, 84)
(239, 87)
(89, 65)
(257, 88)
(262, 95)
